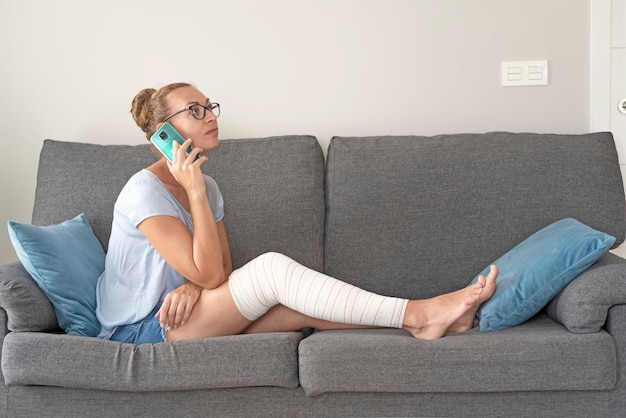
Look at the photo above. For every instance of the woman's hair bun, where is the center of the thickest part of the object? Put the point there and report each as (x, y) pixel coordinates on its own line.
(150, 107)
(142, 108)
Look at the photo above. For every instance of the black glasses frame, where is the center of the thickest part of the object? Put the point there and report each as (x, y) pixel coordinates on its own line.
(211, 108)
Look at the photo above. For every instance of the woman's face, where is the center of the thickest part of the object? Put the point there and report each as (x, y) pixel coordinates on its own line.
(204, 132)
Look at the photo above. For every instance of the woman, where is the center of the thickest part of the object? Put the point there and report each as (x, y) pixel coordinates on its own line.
(169, 275)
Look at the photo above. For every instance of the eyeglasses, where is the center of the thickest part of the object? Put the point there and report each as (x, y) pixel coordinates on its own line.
(198, 111)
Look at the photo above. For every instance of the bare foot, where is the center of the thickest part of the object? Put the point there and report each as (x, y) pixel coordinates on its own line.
(432, 318)
(466, 321)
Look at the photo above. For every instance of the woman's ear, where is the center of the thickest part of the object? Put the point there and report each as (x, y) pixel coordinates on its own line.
(159, 125)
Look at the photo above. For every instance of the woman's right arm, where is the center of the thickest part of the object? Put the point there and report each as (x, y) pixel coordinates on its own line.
(178, 304)
(202, 257)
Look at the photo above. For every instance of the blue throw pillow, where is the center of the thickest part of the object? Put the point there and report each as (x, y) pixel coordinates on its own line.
(537, 269)
(65, 260)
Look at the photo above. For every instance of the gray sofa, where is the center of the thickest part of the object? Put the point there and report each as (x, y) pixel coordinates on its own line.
(407, 216)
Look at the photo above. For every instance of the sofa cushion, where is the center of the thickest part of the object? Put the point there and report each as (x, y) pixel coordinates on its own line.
(30, 358)
(539, 355)
(418, 216)
(273, 190)
(65, 260)
(76, 177)
(584, 304)
(537, 269)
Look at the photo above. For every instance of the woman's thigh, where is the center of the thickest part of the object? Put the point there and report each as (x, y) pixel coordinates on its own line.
(214, 314)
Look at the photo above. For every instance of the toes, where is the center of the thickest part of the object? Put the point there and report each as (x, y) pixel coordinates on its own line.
(482, 280)
(493, 273)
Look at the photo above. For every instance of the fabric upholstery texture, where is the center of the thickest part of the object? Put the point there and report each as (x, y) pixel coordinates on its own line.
(533, 272)
(31, 358)
(273, 190)
(84, 178)
(65, 260)
(28, 401)
(407, 216)
(537, 356)
(583, 305)
(27, 308)
(418, 216)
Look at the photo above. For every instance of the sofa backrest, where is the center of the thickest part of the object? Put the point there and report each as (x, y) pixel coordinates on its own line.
(273, 190)
(417, 216)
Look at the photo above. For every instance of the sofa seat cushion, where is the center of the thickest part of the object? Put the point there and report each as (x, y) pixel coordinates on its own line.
(31, 358)
(539, 355)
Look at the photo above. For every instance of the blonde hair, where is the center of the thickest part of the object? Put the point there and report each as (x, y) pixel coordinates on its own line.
(150, 107)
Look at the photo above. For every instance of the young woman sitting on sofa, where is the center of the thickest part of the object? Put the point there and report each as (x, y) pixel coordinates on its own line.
(168, 273)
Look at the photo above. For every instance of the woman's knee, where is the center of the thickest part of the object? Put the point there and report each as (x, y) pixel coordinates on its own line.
(268, 255)
(209, 296)
(272, 257)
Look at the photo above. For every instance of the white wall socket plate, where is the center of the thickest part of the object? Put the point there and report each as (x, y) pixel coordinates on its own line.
(525, 73)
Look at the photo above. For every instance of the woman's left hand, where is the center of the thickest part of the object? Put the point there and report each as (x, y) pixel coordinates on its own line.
(178, 305)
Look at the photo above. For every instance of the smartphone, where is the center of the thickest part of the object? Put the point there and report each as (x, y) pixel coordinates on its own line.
(163, 137)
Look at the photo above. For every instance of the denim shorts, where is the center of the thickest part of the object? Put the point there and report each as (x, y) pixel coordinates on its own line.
(144, 331)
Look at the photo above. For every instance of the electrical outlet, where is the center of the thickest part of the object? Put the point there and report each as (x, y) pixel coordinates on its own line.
(525, 73)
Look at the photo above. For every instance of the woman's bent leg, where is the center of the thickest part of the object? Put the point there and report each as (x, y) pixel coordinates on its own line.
(319, 301)
(273, 279)
(280, 318)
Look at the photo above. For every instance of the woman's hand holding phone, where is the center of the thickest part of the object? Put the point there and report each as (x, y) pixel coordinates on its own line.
(185, 167)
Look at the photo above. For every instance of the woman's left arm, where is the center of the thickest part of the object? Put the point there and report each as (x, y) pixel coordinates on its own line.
(179, 303)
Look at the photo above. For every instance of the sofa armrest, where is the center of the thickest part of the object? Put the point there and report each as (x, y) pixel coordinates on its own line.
(27, 308)
(583, 306)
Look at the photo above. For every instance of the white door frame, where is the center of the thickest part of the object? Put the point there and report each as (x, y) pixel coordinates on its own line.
(600, 67)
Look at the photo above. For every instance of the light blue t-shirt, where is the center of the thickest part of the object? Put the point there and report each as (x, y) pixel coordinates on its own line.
(136, 278)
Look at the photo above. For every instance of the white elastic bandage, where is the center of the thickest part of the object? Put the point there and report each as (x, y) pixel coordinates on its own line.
(273, 279)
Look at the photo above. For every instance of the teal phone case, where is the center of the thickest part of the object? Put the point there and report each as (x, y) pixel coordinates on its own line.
(163, 137)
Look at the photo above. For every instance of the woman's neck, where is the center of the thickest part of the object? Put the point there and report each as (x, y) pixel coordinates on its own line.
(162, 171)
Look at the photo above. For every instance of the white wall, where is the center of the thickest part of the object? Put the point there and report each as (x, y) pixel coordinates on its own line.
(70, 68)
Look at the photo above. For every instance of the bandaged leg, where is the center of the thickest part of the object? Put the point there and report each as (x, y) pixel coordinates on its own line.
(273, 279)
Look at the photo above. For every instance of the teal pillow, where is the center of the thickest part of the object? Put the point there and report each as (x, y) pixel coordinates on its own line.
(537, 269)
(65, 260)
